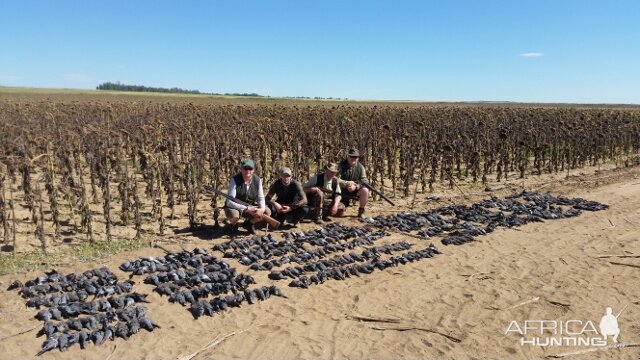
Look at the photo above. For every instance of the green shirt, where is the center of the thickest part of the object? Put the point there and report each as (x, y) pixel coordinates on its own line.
(356, 173)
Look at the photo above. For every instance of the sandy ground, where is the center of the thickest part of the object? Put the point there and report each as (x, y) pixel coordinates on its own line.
(456, 305)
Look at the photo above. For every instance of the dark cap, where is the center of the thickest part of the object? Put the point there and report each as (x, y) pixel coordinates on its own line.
(248, 163)
(353, 152)
(333, 167)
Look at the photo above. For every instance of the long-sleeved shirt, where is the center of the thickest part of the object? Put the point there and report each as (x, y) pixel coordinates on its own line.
(232, 192)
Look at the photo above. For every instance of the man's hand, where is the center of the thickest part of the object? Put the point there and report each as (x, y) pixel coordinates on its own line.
(282, 209)
(351, 186)
(254, 211)
(334, 209)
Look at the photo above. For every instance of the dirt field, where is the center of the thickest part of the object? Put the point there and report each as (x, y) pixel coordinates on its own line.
(455, 305)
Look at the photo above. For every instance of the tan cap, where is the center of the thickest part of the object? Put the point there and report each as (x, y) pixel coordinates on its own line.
(333, 167)
(285, 171)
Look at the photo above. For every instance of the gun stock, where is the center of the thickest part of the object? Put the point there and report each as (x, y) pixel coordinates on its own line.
(371, 188)
(271, 221)
(268, 219)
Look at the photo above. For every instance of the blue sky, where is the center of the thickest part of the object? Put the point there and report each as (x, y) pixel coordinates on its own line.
(529, 51)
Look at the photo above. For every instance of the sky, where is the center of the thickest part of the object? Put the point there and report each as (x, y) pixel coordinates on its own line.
(559, 51)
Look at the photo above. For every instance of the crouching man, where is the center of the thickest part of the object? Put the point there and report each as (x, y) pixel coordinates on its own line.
(290, 199)
(321, 187)
(246, 186)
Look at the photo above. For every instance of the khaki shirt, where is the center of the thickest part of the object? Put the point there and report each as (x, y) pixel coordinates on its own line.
(326, 185)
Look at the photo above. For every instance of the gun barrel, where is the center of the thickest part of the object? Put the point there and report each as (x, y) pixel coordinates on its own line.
(370, 187)
(224, 195)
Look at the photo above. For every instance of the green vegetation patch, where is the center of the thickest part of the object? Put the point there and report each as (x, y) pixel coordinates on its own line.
(13, 263)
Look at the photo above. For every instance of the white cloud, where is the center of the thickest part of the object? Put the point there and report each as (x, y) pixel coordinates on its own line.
(532, 54)
(78, 77)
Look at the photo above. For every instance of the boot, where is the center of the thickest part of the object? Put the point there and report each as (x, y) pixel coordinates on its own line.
(318, 216)
(249, 226)
(231, 229)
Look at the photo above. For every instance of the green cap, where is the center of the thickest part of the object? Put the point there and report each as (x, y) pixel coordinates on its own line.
(248, 163)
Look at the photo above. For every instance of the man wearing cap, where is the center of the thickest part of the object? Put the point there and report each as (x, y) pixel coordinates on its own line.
(351, 171)
(321, 186)
(246, 186)
(290, 198)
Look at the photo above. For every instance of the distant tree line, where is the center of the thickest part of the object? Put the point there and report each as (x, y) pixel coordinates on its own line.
(124, 87)
(318, 98)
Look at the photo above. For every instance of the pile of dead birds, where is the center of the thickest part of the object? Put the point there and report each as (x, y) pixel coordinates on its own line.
(80, 309)
(209, 285)
(461, 223)
(190, 277)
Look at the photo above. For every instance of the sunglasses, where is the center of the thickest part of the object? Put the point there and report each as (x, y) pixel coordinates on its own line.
(353, 157)
(247, 168)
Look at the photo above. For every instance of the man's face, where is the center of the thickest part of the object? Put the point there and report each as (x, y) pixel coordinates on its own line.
(286, 179)
(352, 160)
(247, 172)
(330, 174)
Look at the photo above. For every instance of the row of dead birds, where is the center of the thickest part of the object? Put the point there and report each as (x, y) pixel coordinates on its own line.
(309, 250)
(339, 260)
(304, 255)
(463, 223)
(174, 261)
(191, 277)
(62, 338)
(98, 282)
(221, 303)
(299, 247)
(342, 272)
(235, 248)
(69, 316)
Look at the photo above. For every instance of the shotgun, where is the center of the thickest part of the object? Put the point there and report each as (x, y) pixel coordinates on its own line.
(268, 219)
(293, 207)
(371, 188)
